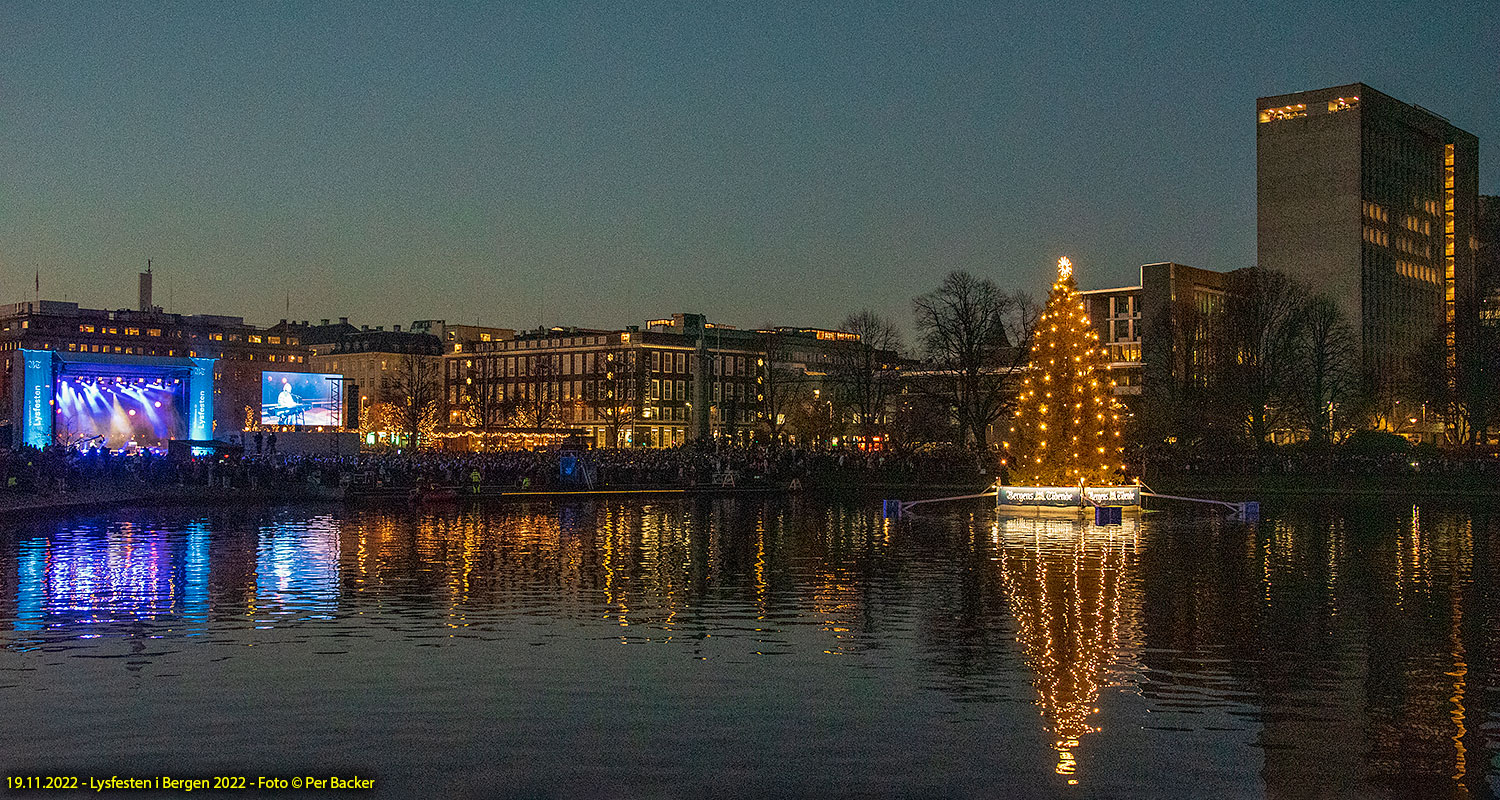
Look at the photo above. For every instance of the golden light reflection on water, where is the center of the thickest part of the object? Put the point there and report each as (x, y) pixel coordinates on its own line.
(1071, 588)
(1463, 569)
(1346, 654)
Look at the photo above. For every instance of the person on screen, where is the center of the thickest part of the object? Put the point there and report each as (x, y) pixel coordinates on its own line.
(286, 399)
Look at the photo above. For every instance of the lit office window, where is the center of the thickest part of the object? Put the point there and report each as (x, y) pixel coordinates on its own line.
(1285, 112)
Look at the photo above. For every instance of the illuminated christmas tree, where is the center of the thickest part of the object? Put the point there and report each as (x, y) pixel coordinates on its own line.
(1067, 426)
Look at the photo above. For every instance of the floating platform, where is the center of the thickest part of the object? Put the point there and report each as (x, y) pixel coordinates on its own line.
(1065, 501)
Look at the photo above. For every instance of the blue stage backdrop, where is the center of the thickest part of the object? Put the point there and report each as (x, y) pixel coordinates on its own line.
(119, 402)
(301, 398)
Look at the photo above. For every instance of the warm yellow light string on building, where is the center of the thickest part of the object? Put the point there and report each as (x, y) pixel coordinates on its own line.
(1066, 428)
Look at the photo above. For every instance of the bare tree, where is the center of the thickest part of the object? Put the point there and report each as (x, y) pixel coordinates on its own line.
(415, 388)
(620, 391)
(479, 405)
(542, 405)
(1465, 397)
(1258, 327)
(782, 384)
(866, 375)
(976, 336)
(1326, 365)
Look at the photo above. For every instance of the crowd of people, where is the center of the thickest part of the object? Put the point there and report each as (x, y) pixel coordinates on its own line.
(1385, 456)
(28, 473)
(64, 471)
(678, 466)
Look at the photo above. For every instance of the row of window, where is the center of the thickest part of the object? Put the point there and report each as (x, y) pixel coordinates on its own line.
(1417, 272)
(1126, 352)
(1294, 111)
(1123, 330)
(112, 331)
(1408, 245)
(532, 344)
(590, 390)
(1125, 306)
(1449, 307)
(253, 338)
(592, 363)
(89, 347)
(1422, 226)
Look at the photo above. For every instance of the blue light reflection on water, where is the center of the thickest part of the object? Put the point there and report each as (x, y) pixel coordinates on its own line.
(1054, 649)
(97, 579)
(297, 571)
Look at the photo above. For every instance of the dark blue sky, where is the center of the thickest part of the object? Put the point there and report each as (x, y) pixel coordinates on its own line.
(760, 163)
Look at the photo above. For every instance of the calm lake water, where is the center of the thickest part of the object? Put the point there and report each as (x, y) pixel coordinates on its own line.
(761, 648)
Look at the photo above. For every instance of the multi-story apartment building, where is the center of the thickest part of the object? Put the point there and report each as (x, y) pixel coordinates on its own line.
(1489, 261)
(1116, 316)
(1157, 330)
(365, 356)
(318, 338)
(1372, 202)
(241, 350)
(456, 337)
(676, 381)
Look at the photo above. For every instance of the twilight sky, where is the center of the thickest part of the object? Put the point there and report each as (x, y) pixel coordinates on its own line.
(596, 166)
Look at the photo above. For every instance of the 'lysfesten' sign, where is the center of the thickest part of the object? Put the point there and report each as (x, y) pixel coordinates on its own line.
(1068, 495)
(37, 406)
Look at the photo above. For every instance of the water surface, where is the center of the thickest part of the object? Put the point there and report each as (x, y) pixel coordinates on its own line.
(760, 648)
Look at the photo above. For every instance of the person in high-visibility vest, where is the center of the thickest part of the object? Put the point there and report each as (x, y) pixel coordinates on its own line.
(474, 477)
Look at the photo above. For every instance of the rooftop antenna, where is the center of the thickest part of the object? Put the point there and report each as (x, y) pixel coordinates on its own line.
(145, 290)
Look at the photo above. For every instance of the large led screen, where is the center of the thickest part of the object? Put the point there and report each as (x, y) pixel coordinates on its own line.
(120, 413)
(301, 398)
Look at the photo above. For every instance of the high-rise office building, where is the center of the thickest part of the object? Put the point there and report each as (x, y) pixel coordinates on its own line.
(1372, 201)
(1489, 261)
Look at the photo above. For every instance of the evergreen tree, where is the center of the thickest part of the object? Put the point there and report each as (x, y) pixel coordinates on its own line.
(1066, 428)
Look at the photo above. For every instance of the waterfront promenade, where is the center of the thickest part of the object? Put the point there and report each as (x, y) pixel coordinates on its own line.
(60, 478)
(56, 478)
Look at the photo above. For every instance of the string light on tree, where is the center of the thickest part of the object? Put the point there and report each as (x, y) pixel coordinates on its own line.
(1066, 429)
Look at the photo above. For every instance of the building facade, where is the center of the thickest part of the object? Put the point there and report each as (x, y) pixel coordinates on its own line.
(1488, 267)
(1159, 329)
(679, 380)
(241, 350)
(1116, 317)
(1372, 202)
(365, 356)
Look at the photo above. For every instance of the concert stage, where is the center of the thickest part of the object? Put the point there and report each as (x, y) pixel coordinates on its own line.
(121, 402)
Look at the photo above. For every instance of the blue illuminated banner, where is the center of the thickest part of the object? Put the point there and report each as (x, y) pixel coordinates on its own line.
(201, 399)
(37, 404)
